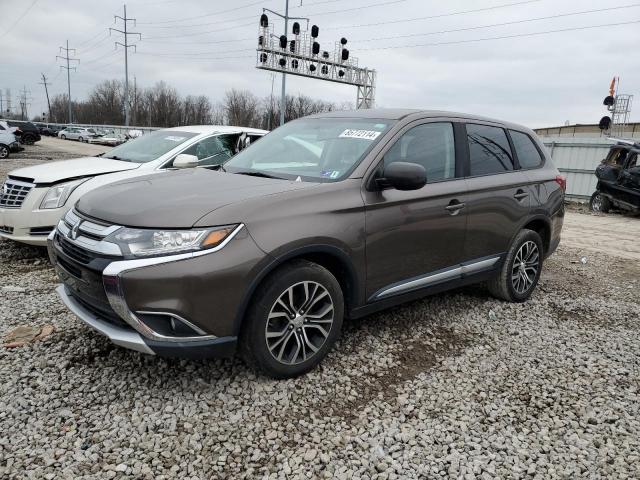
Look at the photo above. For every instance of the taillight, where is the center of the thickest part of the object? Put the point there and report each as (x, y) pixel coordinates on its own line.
(562, 181)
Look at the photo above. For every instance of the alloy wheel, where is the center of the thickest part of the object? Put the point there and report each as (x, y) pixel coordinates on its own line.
(525, 267)
(299, 322)
(4, 151)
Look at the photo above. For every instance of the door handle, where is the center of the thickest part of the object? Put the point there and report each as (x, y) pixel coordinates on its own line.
(454, 207)
(520, 194)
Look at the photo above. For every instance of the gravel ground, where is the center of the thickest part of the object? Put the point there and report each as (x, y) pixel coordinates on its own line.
(457, 385)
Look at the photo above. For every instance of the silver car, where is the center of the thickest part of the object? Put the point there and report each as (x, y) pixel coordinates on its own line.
(81, 134)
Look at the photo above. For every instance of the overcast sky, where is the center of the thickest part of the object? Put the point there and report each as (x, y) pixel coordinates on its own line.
(538, 80)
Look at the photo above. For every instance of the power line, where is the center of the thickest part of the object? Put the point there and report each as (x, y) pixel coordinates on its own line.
(102, 57)
(191, 34)
(91, 45)
(201, 57)
(219, 12)
(411, 19)
(502, 24)
(502, 37)
(18, 19)
(479, 27)
(430, 17)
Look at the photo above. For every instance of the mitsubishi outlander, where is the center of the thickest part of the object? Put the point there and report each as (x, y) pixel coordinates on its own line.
(328, 218)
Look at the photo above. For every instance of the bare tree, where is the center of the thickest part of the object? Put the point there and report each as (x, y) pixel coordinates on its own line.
(241, 108)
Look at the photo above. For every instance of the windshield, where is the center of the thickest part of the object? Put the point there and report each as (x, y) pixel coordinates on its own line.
(314, 149)
(149, 147)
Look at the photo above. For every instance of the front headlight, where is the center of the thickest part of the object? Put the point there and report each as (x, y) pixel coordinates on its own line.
(58, 195)
(136, 242)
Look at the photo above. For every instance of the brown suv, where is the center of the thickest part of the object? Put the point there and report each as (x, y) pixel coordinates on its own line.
(332, 216)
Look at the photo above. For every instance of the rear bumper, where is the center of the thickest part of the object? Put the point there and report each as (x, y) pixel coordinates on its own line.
(132, 340)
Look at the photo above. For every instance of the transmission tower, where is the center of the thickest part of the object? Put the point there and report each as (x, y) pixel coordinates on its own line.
(7, 96)
(68, 68)
(25, 103)
(126, 45)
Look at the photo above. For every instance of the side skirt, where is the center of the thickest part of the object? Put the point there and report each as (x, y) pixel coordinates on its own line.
(384, 304)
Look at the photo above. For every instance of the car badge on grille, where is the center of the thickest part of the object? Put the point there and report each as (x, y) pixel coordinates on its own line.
(73, 233)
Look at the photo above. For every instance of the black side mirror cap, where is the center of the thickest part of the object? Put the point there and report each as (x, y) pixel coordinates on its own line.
(403, 176)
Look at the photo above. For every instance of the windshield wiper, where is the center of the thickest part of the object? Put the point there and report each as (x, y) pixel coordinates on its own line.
(115, 157)
(252, 173)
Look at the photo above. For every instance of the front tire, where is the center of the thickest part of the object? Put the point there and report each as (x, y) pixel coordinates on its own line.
(28, 139)
(293, 321)
(81, 140)
(4, 151)
(63, 137)
(599, 203)
(521, 269)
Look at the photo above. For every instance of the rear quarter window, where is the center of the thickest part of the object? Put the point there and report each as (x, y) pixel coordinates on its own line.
(528, 154)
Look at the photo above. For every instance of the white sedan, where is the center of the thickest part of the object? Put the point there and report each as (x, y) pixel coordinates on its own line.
(33, 199)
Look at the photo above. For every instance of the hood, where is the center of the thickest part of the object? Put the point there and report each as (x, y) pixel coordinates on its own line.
(53, 172)
(177, 199)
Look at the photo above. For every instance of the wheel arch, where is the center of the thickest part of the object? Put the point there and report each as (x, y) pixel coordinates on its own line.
(330, 257)
(542, 226)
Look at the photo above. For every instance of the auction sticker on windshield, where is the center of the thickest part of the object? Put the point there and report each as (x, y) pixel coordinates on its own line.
(363, 134)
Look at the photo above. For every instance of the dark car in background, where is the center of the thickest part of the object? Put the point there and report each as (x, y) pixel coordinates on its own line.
(332, 216)
(618, 179)
(27, 132)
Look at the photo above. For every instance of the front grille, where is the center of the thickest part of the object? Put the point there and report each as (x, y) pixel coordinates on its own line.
(6, 229)
(37, 231)
(13, 193)
(75, 252)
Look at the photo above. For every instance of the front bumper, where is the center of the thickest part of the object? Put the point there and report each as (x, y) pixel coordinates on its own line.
(180, 305)
(132, 340)
(28, 224)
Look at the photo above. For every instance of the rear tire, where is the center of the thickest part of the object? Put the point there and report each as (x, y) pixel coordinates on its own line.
(28, 139)
(4, 151)
(599, 203)
(521, 269)
(81, 140)
(293, 320)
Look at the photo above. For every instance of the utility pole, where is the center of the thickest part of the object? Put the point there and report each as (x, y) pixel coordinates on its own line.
(126, 46)
(68, 68)
(46, 91)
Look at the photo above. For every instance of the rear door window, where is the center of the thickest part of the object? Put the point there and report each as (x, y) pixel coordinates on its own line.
(528, 154)
(489, 150)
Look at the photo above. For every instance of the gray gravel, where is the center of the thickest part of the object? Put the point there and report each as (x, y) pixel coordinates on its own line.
(457, 385)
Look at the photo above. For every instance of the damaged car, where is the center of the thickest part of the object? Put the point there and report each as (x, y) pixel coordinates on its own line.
(618, 179)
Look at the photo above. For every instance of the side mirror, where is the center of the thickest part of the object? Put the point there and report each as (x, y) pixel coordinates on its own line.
(185, 161)
(404, 176)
